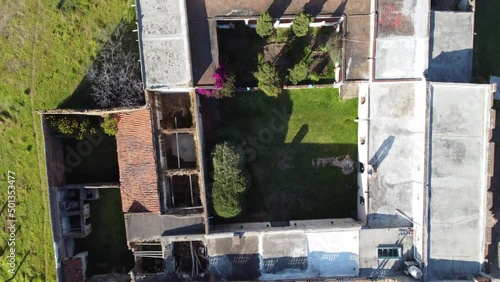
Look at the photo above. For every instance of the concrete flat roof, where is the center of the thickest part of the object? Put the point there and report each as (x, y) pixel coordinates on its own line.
(144, 227)
(213, 8)
(451, 43)
(371, 239)
(357, 51)
(458, 178)
(402, 42)
(164, 43)
(396, 143)
(285, 254)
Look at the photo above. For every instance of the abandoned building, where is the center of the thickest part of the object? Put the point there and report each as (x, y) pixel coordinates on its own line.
(424, 152)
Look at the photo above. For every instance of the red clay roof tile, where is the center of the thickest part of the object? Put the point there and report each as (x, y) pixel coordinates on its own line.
(136, 160)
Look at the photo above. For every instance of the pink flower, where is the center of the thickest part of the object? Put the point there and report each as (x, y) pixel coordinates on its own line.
(220, 76)
(205, 92)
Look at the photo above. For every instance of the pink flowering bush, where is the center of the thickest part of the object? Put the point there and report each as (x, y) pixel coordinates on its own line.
(224, 84)
(205, 92)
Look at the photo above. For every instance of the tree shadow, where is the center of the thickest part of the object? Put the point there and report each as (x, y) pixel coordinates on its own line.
(19, 266)
(340, 10)
(81, 97)
(278, 8)
(314, 7)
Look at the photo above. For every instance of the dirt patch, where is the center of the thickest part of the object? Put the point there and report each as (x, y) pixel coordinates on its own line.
(345, 163)
(10, 10)
(276, 53)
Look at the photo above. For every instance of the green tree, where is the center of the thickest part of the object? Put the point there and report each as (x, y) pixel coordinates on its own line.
(227, 90)
(231, 180)
(108, 125)
(264, 25)
(79, 127)
(298, 73)
(268, 79)
(300, 25)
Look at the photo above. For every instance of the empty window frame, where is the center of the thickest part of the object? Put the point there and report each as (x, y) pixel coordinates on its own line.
(389, 252)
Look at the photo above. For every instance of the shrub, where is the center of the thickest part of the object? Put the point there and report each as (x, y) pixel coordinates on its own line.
(268, 79)
(224, 84)
(231, 180)
(264, 25)
(72, 126)
(108, 125)
(300, 25)
(282, 35)
(227, 90)
(298, 73)
(334, 47)
(314, 77)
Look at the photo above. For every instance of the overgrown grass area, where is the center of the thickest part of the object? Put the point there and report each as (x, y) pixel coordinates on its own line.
(107, 244)
(487, 40)
(45, 54)
(280, 138)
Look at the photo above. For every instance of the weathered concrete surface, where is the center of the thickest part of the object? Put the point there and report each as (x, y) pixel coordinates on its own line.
(395, 151)
(215, 8)
(451, 46)
(369, 264)
(357, 50)
(496, 80)
(458, 173)
(284, 255)
(163, 36)
(402, 41)
(150, 227)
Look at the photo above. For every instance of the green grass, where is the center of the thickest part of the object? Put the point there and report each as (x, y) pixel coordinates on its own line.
(44, 57)
(487, 40)
(279, 151)
(107, 245)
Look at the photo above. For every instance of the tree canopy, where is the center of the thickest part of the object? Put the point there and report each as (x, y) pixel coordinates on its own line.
(268, 79)
(264, 25)
(300, 25)
(231, 180)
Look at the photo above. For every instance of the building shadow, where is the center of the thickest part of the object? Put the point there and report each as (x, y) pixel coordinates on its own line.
(201, 44)
(451, 66)
(233, 267)
(275, 160)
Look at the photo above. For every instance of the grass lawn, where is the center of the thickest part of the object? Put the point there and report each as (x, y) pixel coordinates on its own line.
(281, 137)
(107, 245)
(487, 40)
(45, 54)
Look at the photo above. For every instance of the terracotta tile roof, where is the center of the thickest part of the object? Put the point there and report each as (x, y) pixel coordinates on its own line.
(72, 269)
(136, 161)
